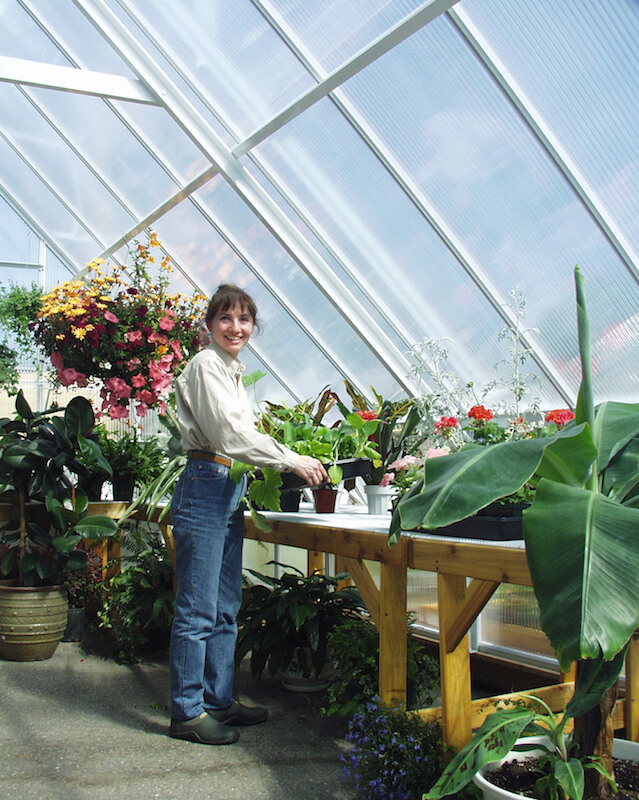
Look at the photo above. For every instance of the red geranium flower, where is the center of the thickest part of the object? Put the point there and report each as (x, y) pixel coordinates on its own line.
(480, 413)
(560, 416)
(447, 422)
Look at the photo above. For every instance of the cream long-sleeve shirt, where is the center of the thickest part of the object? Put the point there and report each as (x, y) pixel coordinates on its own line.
(215, 414)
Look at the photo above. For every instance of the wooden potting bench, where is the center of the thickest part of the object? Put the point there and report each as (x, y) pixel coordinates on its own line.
(468, 573)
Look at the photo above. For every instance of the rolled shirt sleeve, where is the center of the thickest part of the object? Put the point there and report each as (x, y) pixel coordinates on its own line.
(215, 414)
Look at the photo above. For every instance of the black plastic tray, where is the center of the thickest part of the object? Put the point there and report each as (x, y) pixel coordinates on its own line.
(351, 468)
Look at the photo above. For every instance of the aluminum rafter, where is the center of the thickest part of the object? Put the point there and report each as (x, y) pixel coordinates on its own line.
(543, 133)
(52, 76)
(249, 190)
(397, 34)
(416, 196)
(243, 148)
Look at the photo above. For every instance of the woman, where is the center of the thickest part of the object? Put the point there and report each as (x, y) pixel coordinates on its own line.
(216, 423)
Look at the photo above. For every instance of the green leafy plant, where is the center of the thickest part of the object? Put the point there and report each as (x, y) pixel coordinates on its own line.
(354, 649)
(19, 306)
(130, 456)
(280, 617)
(42, 455)
(581, 533)
(140, 601)
(393, 753)
(84, 585)
(561, 773)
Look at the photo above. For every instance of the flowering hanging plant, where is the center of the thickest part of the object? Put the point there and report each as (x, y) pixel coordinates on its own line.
(121, 327)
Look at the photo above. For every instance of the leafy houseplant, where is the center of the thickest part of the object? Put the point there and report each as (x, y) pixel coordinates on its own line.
(354, 648)
(19, 306)
(282, 619)
(134, 461)
(39, 454)
(581, 533)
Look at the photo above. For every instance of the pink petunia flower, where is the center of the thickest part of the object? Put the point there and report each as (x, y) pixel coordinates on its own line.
(118, 412)
(437, 452)
(69, 376)
(133, 336)
(387, 479)
(175, 345)
(138, 381)
(404, 463)
(166, 323)
(56, 360)
(119, 387)
(110, 317)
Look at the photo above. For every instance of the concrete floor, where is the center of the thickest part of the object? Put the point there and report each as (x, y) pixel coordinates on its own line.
(81, 727)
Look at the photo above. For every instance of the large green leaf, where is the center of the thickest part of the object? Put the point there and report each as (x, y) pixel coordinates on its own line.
(584, 562)
(458, 485)
(620, 479)
(615, 425)
(79, 416)
(97, 526)
(493, 740)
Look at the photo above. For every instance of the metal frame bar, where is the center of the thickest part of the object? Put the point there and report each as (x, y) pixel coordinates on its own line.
(249, 189)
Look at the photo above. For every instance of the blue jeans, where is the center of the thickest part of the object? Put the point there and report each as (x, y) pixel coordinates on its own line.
(208, 527)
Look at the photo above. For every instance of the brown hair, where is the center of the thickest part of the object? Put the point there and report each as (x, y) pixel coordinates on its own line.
(228, 296)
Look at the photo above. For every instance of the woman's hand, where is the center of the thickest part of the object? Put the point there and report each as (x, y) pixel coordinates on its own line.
(311, 470)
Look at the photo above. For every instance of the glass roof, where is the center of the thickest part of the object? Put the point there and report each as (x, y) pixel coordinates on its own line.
(374, 172)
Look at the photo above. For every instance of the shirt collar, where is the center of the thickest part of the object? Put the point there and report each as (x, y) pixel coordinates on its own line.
(234, 365)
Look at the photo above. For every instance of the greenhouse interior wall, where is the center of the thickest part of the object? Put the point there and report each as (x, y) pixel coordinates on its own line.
(377, 174)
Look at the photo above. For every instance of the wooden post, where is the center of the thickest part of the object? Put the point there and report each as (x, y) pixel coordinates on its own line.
(392, 634)
(314, 561)
(454, 665)
(632, 689)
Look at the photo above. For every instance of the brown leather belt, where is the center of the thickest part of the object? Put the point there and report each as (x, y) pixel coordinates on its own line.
(204, 456)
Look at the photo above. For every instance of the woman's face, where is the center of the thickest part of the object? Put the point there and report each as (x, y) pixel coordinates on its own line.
(231, 329)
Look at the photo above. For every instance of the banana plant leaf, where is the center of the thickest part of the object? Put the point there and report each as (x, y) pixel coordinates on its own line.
(583, 555)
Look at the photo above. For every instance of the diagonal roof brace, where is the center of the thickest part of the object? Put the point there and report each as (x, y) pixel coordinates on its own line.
(188, 118)
(82, 81)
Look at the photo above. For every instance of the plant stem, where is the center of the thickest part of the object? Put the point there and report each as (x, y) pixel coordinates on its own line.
(585, 411)
(23, 529)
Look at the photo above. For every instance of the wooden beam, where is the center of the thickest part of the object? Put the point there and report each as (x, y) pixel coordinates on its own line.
(314, 562)
(366, 585)
(485, 561)
(477, 594)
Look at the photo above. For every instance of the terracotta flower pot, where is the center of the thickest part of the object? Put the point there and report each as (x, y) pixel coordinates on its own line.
(325, 499)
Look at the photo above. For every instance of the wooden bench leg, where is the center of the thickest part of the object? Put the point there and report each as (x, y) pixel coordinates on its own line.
(392, 634)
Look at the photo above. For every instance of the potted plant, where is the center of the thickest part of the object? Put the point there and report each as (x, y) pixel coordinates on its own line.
(394, 439)
(581, 532)
(288, 619)
(134, 461)
(39, 462)
(84, 595)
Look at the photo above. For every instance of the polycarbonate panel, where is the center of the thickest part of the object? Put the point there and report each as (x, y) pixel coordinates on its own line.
(97, 208)
(578, 63)
(45, 208)
(333, 31)
(71, 29)
(17, 240)
(136, 179)
(230, 54)
(297, 291)
(334, 178)
(457, 138)
(510, 621)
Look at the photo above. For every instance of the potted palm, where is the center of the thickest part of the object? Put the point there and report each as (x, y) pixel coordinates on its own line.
(42, 454)
(581, 533)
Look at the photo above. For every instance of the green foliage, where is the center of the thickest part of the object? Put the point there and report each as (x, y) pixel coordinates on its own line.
(42, 456)
(562, 773)
(140, 600)
(394, 753)
(127, 454)
(281, 616)
(354, 649)
(19, 306)
(84, 585)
